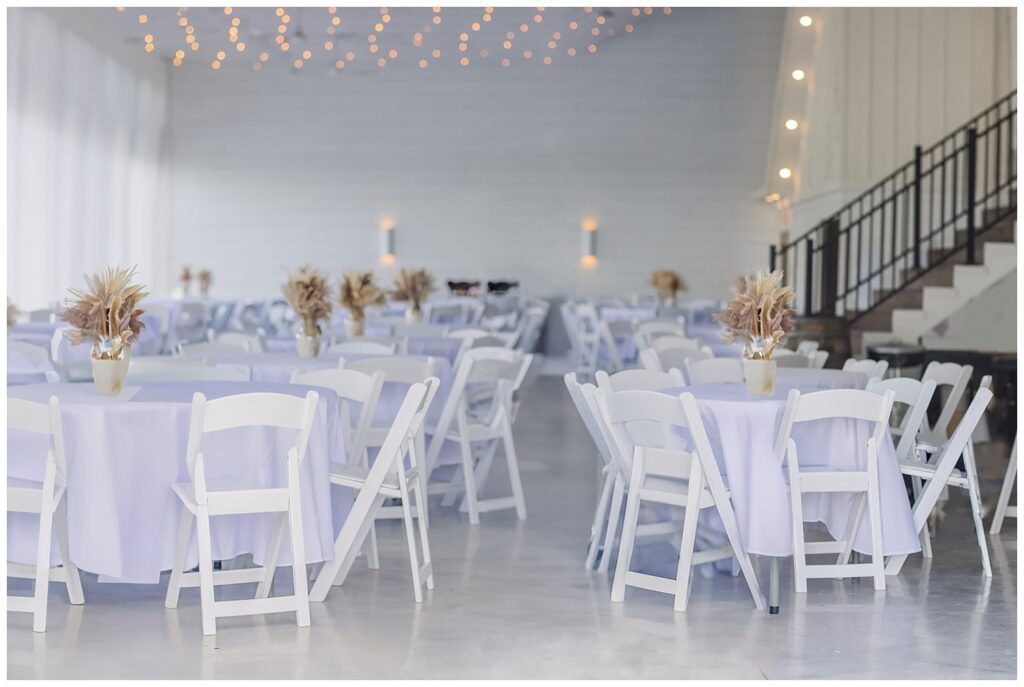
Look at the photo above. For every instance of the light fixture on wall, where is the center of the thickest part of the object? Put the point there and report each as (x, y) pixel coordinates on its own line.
(588, 242)
(785, 173)
(806, 21)
(387, 241)
(798, 74)
(792, 124)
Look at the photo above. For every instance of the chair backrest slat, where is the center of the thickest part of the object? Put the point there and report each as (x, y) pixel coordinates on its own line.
(639, 380)
(916, 396)
(714, 370)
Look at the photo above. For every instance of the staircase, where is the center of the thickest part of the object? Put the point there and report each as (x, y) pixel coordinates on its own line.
(918, 246)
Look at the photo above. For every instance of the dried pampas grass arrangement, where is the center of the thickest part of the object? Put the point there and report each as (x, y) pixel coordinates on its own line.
(760, 315)
(106, 312)
(310, 297)
(358, 291)
(667, 283)
(204, 279)
(413, 285)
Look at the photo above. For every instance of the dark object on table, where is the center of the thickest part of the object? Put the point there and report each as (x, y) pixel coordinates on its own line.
(500, 287)
(463, 288)
(904, 360)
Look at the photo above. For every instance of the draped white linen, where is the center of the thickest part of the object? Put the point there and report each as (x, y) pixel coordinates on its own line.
(86, 174)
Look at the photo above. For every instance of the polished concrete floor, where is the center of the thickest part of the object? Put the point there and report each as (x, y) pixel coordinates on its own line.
(512, 600)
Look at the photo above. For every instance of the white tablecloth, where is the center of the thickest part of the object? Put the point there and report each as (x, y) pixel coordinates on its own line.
(435, 346)
(742, 430)
(711, 336)
(124, 453)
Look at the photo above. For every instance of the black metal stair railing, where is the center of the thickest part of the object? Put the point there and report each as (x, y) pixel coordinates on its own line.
(913, 220)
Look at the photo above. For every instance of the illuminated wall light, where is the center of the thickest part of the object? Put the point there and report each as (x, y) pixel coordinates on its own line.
(785, 173)
(601, 20)
(350, 56)
(648, 11)
(798, 74)
(227, 10)
(557, 35)
(143, 19)
(264, 57)
(336, 21)
(435, 53)
(772, 197)
(791, 124)
(547, 59)
(328, 45)
(588, 243)
(297, 64)
(215, 64)
(591, 48)
(381, 62)
(523, 28)
(423, 64)
(149, 47)
(183, 21)
(506, 62)
(629, 28)
(220, 55)
(571, 52)
(806, 21)
(373, 48)
(279, 11)
(667, 10)
(463, 36)
(285, 19)
(475, 26)
(378, 27)
(527, 54)
(179, 54)
(635, 11)
(306, 54)
(392, 53)
(340, 64)
(464, 61)
(573, 25)
(484, 53)
(195, 46)
(285, 46)
(386, 235)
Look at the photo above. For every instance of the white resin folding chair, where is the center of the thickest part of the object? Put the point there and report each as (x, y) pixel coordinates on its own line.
(807, 347)
(47, 499)
(69, 367)
(203, 348)
(351, 386)
(37, 356)
(639, 380)
(796, 360)
(202, 499)
(358, 347)
(910, 404)
(501, 371)
(940, 472)
(165, 369)
(663, 343)
(664, 361)
(387, 478)
(867, 367)
(672, 476)
(403, 329)
(609, 469)
(830, 405)
(646, 332)
(405, 370)
(609, 330)
(43, 315)
(256, 343)
(1003, 508)
(714, 371)
(584, 332)
(471, 333)
(818, 359)
(955, 377)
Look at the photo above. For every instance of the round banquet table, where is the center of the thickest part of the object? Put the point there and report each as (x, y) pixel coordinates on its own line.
(434, 346)
(711, 336)
(742, 431)
(124, 452)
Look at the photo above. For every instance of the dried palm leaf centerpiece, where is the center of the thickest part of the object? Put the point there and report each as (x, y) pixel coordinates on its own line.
(204, 279)
(760, 315)
(309, 295)
(358, 291)
(106, 313)
(413, 285)
(667, 283)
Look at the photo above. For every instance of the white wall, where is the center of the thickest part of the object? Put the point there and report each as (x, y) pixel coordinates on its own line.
(487, 172)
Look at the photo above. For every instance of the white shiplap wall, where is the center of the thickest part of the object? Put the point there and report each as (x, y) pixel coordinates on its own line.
(487, 172)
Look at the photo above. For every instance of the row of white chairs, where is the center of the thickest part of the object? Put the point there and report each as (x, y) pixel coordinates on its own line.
(637, 465)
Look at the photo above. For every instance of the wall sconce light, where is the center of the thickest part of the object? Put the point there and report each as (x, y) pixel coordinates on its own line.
(588, 243)
(387, 242)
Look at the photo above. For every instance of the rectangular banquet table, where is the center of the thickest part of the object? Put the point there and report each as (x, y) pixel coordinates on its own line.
(123, 453)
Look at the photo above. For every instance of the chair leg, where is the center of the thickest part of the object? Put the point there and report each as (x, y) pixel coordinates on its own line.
(613, 525)
(72, 579)
(270, 562)
(600, 516)
(875, 513)
(205, 572)
(973, 491)
(180, 551)
(852, 527)
(454, 487)
(483, 468)
(925, 536)
(301, 590)
(468, 476)
(425, 539)
(410, 538)
(799, 552)
(1004, 494)
(513, 471)
(41, 592)
(626, 543)
(685, 567)
(741, 559)
(371, 550)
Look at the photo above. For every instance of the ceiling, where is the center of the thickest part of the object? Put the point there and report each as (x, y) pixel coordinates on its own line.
(368, 39)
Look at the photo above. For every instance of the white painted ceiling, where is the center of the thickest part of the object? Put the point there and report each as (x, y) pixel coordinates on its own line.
(310, 29)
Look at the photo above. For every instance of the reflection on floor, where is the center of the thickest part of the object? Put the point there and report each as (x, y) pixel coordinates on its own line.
(512, 600)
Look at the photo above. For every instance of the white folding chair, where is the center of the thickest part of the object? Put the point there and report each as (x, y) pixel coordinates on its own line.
(190, 324)
(663, 343)
(204, 348)
(351, 386)
(202, 499)
(829, 405)
(796, 360)
(405, 370)
(639, 380)
(470, 333)
(818, 359)
(43, 315)
(663, 361)
(387, 478)
(69, 367)
(1003, 508)
(581, 325)
(500, 371)
(645, 332)
(163, 369)
(940, 472)
(255, 343)
(714, 371)
(956, 378)
(807, 347)
(47, 499)
(867, 367)
(607, 337)
(662, 473)
(609, 469)
(403, 329)
(359, 347)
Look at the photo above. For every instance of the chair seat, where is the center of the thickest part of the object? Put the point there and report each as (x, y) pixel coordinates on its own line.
(927, 471)
(19, 483)
(355, 478)
(26, 496)
(236, 496)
